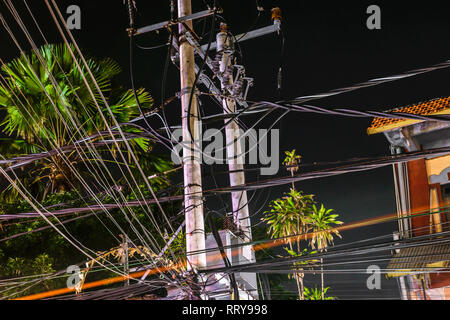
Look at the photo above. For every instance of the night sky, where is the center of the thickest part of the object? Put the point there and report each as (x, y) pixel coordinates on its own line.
(327, 46)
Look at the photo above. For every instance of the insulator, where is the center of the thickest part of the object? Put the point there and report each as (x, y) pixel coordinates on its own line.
(218, 57)
(228, 71)
(216, 62)
(215, 66)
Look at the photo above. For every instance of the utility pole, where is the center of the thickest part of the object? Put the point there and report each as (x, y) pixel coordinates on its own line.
(193, 196)
(186, 46)
(225, 49)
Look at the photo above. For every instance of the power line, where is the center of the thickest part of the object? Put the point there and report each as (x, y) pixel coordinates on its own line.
(356, 166)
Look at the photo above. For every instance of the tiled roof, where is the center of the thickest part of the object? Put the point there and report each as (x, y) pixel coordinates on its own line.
(433, 106)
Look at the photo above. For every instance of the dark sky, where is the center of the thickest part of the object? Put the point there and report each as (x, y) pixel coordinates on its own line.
(327, 46)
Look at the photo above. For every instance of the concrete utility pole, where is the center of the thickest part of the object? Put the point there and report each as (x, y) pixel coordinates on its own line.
(234, 150)
(193, 196)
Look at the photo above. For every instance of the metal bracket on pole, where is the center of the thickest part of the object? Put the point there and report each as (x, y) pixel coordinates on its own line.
(251, 34)
(199, 50)
(207, 82)
(249, 84)
(169, 23)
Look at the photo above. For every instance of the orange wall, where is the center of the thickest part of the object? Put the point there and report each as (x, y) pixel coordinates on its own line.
(439, 279)
(419, 195)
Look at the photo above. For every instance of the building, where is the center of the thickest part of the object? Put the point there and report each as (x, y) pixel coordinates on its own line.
(220, 287)
(422, 190)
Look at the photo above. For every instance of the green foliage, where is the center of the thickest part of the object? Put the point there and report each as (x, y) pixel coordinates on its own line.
(295, 217)
(297, 214)
(42, 264)
(30, 91)
(48, 251)
(299, 265)
(178, 245)
(291, 161)
(288, 215)
(15, 267)
(44, 112)
(25, 270)
(52, 201)
(316, 294)
(39, 116)
(322, 223)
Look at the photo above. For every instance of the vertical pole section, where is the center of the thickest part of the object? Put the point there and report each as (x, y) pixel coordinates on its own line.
(124, 258)
(126, 264)
(195, 227)
(235, 156)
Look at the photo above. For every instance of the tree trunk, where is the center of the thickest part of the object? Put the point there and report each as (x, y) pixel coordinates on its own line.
(299, 286)
(302, 297)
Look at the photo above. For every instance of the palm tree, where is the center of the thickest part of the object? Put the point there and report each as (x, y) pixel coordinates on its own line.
(48, 105)
(322, 222)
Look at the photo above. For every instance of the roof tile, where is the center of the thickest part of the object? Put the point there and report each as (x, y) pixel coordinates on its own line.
(423, 108)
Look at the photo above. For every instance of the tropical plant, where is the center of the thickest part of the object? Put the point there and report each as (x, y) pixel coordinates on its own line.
(292, 217)
(291, 162)
(48, 104)
(178, 245)
(302, 265)
(322, 223)
(287, 217)
(317, 294)
(15, 267)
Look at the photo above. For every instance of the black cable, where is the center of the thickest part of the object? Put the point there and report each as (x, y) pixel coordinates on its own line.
(375, 162)
(281, 66)
(292, 236)
(131, 42)
(166, 63)
(387, 246)
(264, 106)
(163, 81)
(266, 288)
(152, 47)
(384, 246)
(369, 83)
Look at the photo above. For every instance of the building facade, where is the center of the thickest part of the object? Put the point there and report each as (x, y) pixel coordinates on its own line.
(422, 190)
